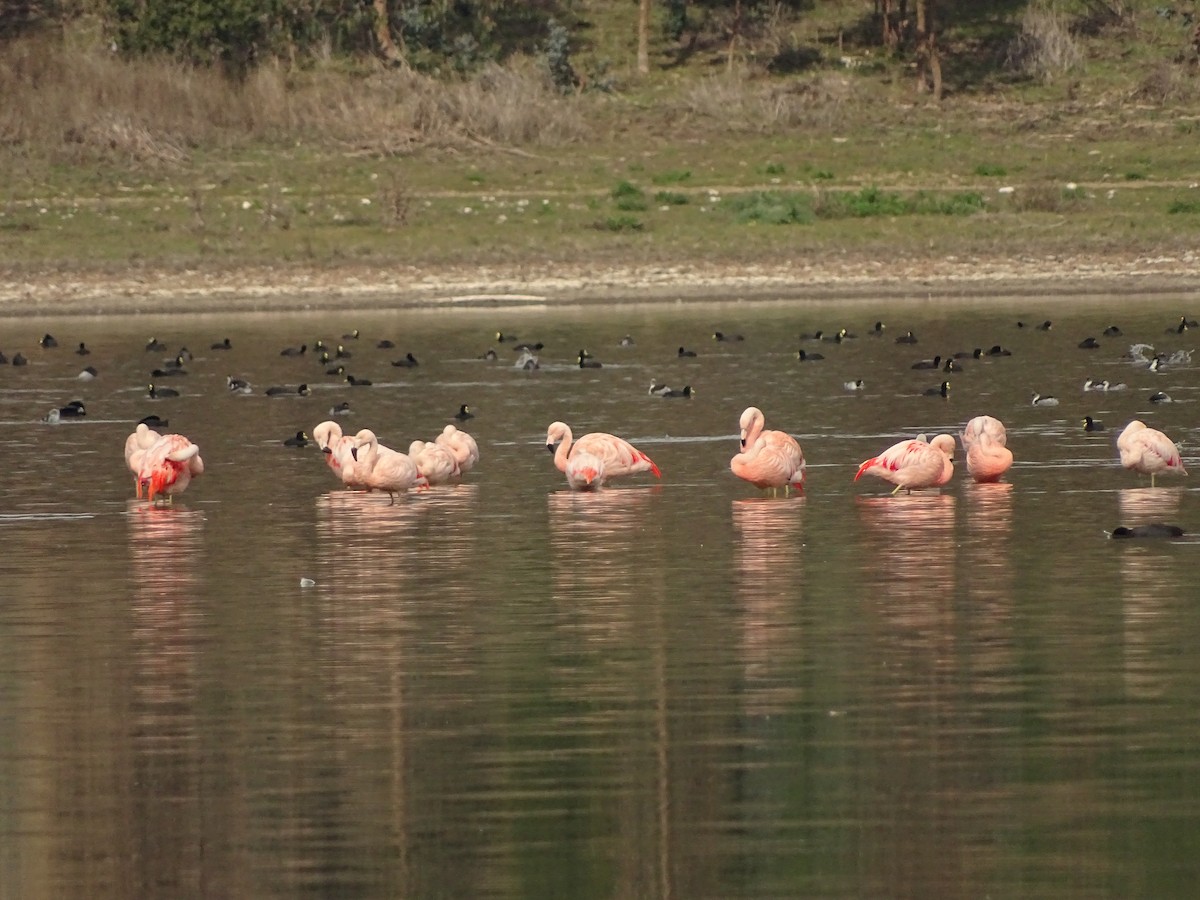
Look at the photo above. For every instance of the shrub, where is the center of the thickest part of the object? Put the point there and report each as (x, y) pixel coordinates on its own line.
(1045, 48)
(771, 208)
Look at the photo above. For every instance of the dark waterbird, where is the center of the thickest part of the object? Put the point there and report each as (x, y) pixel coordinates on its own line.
(294, 351)
(721, 336)
(1152, 530)
(685, 391)
(155, 345)
(153, 421)
(805, 356)
(157, 393)
(942, 390)
(1089, 344)
(1090, 424)
(464, 413)
(222, 345)
(47, 342)
(684, 352)
(82, 349)
(409, 362)
(299, 440)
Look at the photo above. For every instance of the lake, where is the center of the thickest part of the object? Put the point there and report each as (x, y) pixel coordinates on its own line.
(670, 688)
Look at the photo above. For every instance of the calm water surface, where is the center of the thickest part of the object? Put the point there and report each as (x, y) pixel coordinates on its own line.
(668, 689)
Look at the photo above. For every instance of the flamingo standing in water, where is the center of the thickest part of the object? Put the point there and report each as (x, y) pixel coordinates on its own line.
(619, 456)
(437, 463)
(585, 471)
(136, 445)
(382, 468)
(985, 442)
(462, 445)
(336, 447)
(769, 459)
(913, 464)
(1148, 451)
(169, 466)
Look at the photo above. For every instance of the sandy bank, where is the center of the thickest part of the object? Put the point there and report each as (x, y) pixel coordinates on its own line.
(267, 288)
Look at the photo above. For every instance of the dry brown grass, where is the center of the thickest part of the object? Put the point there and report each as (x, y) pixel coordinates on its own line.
(1045, 48)
(742, 103)
(73, 105)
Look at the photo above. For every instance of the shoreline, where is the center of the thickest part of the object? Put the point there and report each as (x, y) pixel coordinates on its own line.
(144, 290)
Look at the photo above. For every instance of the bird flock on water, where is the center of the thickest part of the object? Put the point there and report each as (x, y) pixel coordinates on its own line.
(164, 464)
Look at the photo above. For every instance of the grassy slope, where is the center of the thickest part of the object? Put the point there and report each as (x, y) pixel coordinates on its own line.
(471, 202)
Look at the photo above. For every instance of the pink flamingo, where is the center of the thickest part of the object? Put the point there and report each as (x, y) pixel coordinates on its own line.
(585, 471)
(382, 468)
(1148, 451)
(462, 445)
(169, 466)
(136, 445)
(913, 464)
(985, 441)
(619, 456)
(769, 459)
(336, 447)
(435, 462)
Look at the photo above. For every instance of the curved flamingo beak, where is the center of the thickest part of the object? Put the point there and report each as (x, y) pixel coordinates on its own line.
(354, 453)
(551, 447)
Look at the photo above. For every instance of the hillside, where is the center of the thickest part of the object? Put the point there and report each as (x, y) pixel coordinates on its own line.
(1063, 144)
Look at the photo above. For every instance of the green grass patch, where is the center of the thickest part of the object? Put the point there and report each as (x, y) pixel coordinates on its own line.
(671, 198)
(628, 197)
(675, 176)
(990, 170)
(771, 208)
(1184, 207)
(619, 224)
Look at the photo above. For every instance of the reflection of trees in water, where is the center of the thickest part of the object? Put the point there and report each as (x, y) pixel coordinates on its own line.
(769, 558)
(1150, 589)
(611, 673)
(166, 787)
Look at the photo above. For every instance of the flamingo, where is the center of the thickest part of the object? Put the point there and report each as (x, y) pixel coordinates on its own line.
(620, 457)
(136, 445)
(336, 447)
(462, 445)
(985, 442)
(585, 471)
(437, 463)
(382, 468)
(913, 464)
(169, 466)
(769, 459)
(1148, 451)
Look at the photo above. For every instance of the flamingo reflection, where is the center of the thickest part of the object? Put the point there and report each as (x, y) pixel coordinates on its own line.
(1151, 588)
(769, 558)
(166, 546)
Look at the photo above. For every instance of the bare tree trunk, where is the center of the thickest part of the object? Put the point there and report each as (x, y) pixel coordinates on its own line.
(383, 34)
(735, 29)
(643, 35)
(891, 31)
(929, 65)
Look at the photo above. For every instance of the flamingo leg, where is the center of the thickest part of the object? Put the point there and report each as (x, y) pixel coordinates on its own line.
(899, 487)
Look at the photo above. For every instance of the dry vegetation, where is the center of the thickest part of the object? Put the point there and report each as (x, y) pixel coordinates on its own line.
(1082, 144)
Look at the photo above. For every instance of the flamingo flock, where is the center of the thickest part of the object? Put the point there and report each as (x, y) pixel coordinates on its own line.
(163, 464)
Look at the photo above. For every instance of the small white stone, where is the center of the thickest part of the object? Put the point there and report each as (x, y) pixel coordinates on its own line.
(307, 582)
